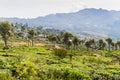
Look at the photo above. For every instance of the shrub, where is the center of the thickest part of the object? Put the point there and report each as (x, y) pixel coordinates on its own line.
(69, 74)
(5, 48)
(60, 53)
(5, 76)
(23, 70)
(3, 64)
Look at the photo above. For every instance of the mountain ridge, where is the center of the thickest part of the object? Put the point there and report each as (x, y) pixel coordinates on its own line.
(99, 21)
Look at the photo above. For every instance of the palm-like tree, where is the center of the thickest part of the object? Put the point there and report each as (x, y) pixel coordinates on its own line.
(75, 42)
(109, 41)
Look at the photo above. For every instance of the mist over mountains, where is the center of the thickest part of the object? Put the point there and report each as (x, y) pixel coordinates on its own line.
(89, 22)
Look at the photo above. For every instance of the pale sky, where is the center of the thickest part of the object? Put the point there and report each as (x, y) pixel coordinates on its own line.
(35, 8)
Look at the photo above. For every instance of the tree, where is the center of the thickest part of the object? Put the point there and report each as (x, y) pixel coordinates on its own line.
(87, 44)
(23, 28)
(5, 30)
(109, 41)
(31, 34)
(52, 38)
(113, 45)
(118, 44)
(104, 45)
(101, 44)
(92, 43)
(81, 42)
(69, 44)
(66, 38)
(75, 42)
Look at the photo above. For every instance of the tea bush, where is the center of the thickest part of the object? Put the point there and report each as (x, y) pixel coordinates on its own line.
(71, 74)
(60, 53)
(23, 70)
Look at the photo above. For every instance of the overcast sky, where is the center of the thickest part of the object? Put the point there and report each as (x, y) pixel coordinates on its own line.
(35, 8)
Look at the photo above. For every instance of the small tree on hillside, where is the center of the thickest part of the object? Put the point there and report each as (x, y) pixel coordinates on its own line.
(118, 44)
(31, 34)
(66, 38)
(113, 45)
(92, 43)
(87, 44)
(5, 30)
(53, 39)
(75, 42)
(101, 44)
(109, 41)
(69, 44)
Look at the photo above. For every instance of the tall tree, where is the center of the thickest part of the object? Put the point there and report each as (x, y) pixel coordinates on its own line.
(53, 39)
(92, 43)
(113, 45)
(87, 44)
(100, 44)
(109, 41)
(66, 38)
(118, 44)
(31, 34)
(5, 30)
(75, 42)
(69, 44)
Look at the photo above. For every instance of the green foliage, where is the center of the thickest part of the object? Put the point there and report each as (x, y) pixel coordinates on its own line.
(5, 31)
(5, 48)
(52, 38)
(87, 44)
(5, 76)
(24, 70)
(31, 34)
(2, 64)
(37, 63)
(70, 74)
(66, 37)
(60, 53)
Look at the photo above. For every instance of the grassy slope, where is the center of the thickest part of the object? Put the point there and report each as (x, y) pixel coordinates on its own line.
(90, 62)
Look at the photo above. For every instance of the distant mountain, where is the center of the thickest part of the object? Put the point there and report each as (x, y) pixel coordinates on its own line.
(88, 22)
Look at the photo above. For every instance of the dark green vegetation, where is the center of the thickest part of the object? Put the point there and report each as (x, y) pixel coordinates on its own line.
(57, 56)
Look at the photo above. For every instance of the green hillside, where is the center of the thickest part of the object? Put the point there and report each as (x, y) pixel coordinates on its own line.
(39, 63)
(55, 55)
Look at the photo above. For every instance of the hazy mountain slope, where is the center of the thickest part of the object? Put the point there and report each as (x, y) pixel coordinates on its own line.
(87, 22)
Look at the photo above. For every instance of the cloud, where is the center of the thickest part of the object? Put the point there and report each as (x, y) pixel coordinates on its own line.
(77, 6)
(35, 8)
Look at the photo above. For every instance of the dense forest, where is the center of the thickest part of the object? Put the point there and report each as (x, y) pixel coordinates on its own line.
(35, 53)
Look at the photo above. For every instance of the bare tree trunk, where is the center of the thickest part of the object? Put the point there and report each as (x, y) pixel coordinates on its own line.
(28, 43)
(109, 47)
(32, 42)
(87, 49)
(54, 43)
(5, 42)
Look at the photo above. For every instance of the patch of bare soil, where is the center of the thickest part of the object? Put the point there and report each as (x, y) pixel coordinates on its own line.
(96, 55)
